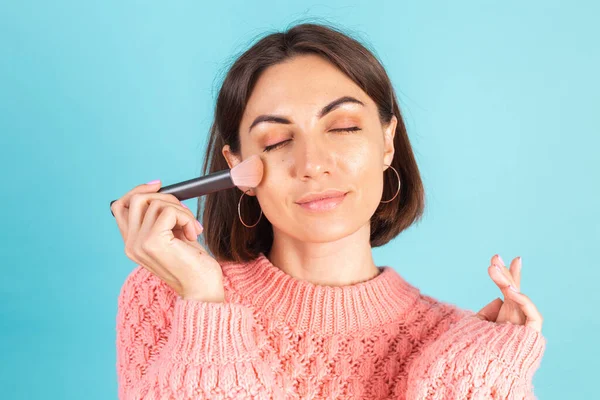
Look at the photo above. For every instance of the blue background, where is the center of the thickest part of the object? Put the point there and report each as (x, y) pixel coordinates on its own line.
(500, 99)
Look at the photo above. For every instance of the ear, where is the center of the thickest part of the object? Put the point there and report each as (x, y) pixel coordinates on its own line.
(388, 140)
(233, 160)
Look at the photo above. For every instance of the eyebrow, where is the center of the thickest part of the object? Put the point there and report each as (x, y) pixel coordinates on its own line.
(277, 119)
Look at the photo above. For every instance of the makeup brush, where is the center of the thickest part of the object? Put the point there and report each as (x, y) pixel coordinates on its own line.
(248, 173)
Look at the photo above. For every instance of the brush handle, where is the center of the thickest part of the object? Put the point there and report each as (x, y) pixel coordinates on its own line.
(198, 186)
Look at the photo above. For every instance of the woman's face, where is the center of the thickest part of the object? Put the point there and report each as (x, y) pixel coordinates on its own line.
(308, 148)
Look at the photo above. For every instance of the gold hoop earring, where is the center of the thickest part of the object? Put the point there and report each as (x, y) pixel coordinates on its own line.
(240, 214)
(397, 191)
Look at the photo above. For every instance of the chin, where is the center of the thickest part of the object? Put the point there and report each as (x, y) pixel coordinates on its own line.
(326, 231)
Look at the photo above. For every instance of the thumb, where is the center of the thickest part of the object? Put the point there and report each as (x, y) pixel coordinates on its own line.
(491, 310)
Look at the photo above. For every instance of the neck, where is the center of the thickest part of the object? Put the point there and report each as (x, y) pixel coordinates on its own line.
(304, 306)
(342, 262)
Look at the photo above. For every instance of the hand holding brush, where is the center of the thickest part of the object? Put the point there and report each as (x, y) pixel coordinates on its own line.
(160, 232)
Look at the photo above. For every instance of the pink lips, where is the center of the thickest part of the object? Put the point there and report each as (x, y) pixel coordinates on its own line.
(322, 201)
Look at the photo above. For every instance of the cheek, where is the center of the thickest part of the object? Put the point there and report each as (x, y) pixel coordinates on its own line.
(370, 185)
(364, 167)
(361, 162)
(273, 189)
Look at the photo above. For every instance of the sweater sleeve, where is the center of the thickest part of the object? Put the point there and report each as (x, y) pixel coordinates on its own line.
(168, 347)
(477, 359)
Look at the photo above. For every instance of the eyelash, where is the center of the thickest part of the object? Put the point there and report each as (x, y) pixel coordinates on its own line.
(277, 145)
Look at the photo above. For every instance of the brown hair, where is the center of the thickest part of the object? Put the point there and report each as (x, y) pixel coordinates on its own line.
(225, 237)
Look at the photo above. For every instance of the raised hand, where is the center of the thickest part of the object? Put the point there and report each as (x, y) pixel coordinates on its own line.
(516, 308)
(160, 234)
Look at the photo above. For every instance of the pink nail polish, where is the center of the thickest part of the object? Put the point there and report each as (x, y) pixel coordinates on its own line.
(501, 260)
(514, 289)
(199, 225)
(153, 182)
(183, 204)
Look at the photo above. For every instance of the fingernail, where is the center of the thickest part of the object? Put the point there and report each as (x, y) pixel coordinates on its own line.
(514, 289)
(183, 204)
(153, 182)
(500, 259)
(199, 226)
(498, 268)
(520, 261)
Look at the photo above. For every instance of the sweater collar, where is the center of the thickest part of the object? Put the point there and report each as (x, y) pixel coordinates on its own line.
(304, 306)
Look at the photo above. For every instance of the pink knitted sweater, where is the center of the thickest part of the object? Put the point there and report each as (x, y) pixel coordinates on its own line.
(278, 337)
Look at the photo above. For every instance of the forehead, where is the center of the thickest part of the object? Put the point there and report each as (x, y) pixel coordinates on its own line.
(303, 84)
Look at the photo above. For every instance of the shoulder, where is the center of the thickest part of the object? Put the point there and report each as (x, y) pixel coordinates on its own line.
(432, 316)
(435, 305)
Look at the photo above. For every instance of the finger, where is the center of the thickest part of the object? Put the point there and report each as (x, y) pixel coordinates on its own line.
(161, 232)
(499, 277)
(491, 310)
(534, 318)
(503, 280)
(183, 220)
(497, 260)
(120, 207)
(144, 188)
(138, 204)
(142, 242)
(513, 310)
(515, 271)
(198, 224)
(121, 217)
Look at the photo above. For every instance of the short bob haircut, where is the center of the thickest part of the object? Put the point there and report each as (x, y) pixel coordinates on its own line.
(225, 237)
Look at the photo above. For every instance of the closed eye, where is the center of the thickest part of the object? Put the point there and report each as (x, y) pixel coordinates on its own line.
(351, 129)
(277, 145)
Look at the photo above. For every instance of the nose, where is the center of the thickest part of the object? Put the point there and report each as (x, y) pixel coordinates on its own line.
(312, 158)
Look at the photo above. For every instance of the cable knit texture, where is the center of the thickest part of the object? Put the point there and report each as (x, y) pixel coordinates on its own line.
(278, 337)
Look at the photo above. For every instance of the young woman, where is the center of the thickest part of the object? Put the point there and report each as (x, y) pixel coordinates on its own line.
(285, 301)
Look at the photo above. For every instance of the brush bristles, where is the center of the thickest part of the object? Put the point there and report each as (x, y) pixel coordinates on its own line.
(248, 173)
